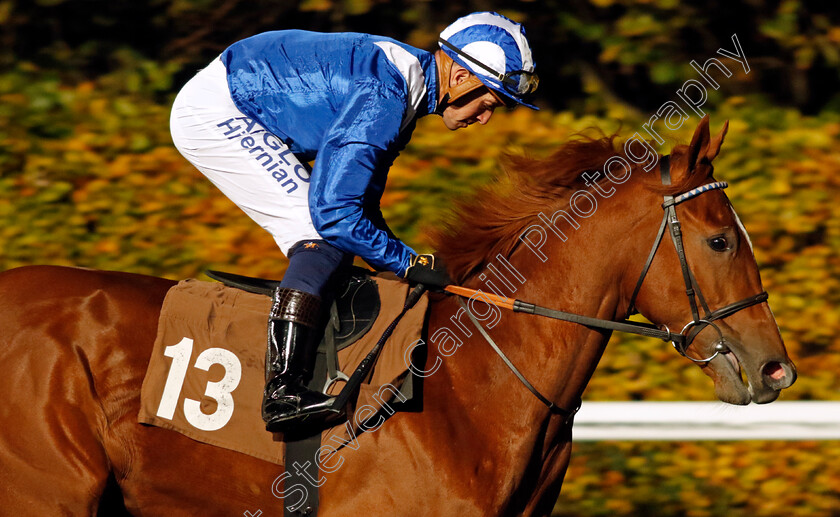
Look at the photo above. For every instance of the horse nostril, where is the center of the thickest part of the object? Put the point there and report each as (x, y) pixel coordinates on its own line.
(774, 370)
(778, 375)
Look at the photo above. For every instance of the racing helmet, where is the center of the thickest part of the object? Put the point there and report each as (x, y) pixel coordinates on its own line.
(494, 49)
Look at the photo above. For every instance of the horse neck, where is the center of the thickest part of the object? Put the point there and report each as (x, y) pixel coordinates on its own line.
(584, 275)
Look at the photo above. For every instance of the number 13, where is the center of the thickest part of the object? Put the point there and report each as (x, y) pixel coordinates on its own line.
(219, 391)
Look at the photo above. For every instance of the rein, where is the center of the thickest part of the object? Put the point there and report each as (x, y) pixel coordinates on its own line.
(681, 341)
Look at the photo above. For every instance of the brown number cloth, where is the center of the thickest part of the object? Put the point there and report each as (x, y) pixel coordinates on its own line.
(234, 322)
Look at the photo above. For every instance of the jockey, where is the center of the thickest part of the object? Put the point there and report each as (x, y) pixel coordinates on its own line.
(254, 117)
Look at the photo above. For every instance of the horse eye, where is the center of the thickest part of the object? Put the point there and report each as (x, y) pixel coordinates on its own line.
(718, 243)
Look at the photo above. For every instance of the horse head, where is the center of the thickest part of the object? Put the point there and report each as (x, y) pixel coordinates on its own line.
(722, 271)
(581, 242)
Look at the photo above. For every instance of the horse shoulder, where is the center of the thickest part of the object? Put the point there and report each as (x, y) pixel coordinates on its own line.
(73, 348)
(104, 321)
(94, 328)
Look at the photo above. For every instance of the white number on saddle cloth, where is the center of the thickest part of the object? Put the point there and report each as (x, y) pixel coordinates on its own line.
(180, 355)
(219, 391)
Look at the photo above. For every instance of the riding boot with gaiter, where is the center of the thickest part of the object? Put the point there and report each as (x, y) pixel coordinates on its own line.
(292, 329)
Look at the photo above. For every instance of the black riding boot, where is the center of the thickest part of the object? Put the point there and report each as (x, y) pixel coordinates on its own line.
(294, 320)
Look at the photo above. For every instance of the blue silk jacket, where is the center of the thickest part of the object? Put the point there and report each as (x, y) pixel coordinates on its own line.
(349, 100)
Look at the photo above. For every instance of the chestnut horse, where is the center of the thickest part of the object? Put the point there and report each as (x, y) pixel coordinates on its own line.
(74, 346)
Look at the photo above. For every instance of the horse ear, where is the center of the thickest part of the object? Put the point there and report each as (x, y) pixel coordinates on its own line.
(700, 142)
(714, 146)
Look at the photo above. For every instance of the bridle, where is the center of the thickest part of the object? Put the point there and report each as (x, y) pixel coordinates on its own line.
(681, 341)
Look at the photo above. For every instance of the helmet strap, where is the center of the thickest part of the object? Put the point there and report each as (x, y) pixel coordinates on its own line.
(448, 94)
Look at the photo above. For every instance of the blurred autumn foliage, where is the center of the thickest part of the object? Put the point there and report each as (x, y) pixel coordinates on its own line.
(89, 177)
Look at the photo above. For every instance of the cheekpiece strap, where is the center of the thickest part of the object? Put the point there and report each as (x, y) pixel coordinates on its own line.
(665, 169)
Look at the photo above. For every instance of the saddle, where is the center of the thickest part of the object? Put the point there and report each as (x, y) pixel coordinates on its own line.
(352, 312)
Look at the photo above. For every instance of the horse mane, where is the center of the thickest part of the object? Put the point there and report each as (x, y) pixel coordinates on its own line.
(491, 220)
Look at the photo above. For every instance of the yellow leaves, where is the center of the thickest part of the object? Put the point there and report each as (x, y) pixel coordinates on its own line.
(6, 8)
(391, 199)
(637, 24)
(702, 478)
(610, 53)
(315, 5)
(780, 187)
(620, 506)
(106, 246)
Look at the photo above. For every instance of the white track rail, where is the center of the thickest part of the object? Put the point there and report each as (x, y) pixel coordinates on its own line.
(657, 421)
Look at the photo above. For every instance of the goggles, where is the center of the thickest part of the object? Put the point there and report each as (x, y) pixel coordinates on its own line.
(518, 83)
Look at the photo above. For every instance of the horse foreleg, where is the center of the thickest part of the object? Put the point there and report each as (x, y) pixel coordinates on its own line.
(551, 479)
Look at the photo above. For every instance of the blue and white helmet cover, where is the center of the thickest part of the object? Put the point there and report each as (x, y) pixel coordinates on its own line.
(493, 40)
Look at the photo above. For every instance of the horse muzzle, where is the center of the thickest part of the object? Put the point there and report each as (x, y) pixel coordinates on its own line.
(740, 379)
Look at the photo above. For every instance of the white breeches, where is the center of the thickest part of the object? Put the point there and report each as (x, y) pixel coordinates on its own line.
(248, 164)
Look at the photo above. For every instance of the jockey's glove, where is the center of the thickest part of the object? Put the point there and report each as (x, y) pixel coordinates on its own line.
(428, 270)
